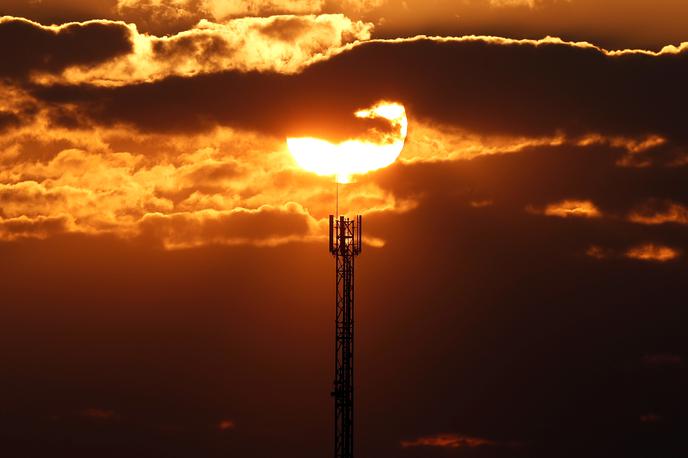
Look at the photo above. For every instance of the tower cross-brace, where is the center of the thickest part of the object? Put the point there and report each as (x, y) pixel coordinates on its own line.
(345, 244)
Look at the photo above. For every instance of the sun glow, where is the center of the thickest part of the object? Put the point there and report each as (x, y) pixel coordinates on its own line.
(356, 156)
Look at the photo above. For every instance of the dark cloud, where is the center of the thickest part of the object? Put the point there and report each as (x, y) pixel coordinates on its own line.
(8, 120)
(27, 47)
(483, 85)
(65, 117)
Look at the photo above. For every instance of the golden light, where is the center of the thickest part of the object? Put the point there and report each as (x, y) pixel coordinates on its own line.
(356, 156)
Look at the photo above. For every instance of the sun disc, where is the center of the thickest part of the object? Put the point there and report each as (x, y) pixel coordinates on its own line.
(355, 156)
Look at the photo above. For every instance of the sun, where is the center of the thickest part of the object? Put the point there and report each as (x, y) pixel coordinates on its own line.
(355, 156)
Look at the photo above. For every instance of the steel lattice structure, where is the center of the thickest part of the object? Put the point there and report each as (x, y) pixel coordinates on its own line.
(345, 245)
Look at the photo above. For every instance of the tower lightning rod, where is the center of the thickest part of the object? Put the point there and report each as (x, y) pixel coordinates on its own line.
(345, 245)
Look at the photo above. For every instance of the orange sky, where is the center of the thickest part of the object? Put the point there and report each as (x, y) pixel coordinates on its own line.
(166, 176)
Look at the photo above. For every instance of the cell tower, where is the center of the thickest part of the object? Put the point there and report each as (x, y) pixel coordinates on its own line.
(345, 245)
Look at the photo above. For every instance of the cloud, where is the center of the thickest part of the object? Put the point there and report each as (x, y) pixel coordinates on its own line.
(480, 203)
(431, 142)
(163, 15)
(357, 6)
(649, 252)
(599, 252)
(8, 120)
(536, 89)
(31, 48)
(185, 189)
(159, 11)
(448, 441)
(39, 226)
(652, 252)
(511, 3)
(570, 208)
(178, 148)
(638, 149)
(282, 44)
(105, 52)
(524, 3)
(660, 212)
(266, 225)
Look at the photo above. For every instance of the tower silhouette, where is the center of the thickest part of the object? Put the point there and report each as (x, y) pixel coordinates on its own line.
(345, 245)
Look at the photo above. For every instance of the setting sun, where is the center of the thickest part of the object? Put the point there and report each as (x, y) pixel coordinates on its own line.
(320, 229)
(355, 156)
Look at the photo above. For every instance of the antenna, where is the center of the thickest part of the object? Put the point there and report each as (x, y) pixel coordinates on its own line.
(345, 245)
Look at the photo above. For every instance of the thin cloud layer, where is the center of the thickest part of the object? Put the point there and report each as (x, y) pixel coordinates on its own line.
(655, 212)
(646, 252)
(652, 252)
(572, 209)
(449, 441)
(264, 226)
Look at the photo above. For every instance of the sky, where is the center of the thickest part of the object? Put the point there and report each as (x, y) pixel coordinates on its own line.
(167, 169)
